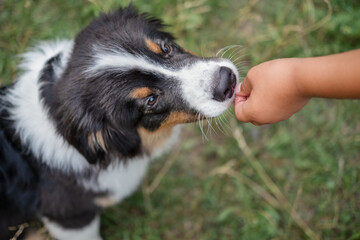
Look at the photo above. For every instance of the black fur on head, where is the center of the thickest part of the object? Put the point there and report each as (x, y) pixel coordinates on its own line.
(100, 111)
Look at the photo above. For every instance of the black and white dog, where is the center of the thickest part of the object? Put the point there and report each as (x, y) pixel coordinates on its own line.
(79, 126)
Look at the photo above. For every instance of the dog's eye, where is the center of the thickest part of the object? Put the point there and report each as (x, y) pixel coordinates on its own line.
(165, 48)
(151, 101)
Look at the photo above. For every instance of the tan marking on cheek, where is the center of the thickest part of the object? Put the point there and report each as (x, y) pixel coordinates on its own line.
(152, 46)
(140, 92)
(96, 140)
(151, 140)
(178, 118)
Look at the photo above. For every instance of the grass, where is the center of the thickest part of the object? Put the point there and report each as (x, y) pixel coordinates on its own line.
(298, 179)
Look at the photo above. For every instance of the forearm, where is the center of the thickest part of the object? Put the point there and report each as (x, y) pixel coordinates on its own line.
(333, 76)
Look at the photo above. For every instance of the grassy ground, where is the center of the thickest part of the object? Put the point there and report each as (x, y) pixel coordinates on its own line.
(298, 179)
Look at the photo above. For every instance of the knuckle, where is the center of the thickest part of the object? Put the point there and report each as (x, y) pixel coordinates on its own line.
(250, 74)
(241, 117)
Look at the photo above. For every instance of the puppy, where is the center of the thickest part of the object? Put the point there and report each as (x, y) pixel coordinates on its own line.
(79, 126)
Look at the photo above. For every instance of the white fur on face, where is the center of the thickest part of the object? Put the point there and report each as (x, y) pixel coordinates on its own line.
(196, 79)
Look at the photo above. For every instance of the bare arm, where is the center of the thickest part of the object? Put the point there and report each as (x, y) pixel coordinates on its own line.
(333, 76)
(275, 90)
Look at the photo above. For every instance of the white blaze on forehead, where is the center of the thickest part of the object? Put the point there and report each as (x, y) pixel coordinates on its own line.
(196, 79)
(123, 61)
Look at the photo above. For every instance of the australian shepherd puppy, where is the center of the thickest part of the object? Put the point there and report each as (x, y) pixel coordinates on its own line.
(79, 126)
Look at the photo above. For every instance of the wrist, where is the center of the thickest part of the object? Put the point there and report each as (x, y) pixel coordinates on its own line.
(300, 77)
(296, 76)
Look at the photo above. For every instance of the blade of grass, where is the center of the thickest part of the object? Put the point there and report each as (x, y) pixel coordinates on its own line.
(269, 183)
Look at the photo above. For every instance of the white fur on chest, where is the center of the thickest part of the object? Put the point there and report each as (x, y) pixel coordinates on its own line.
(121, 179)
(39, 134)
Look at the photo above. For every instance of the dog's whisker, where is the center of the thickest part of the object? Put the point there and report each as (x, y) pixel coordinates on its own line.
(221, 50)
(226, 49)
(236, 53)
(225, 120)
(212, 128)
(239, 57)
(241, 65)
(229, 52)
(220, 124)
(201, 126)
(232, 50)
(206, 133)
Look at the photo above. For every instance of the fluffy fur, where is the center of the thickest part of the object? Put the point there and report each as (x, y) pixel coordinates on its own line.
(79, 126)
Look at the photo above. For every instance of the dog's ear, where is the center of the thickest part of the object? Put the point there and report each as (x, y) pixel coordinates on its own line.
(108, 142)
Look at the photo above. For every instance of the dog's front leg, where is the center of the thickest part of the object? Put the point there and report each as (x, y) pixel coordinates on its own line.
(90, 231)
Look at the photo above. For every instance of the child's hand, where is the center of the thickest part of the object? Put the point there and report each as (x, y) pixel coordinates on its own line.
(269, 93)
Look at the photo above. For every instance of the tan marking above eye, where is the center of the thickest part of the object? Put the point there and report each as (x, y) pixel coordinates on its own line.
(139, 93)
(152, 46)
(190, 52)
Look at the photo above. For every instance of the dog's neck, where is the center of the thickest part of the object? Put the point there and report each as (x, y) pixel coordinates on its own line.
(30, 115)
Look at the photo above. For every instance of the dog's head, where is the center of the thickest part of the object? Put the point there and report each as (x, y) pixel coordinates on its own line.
(127, 79)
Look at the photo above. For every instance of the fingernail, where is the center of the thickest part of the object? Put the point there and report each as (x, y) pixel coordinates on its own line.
(237, 88)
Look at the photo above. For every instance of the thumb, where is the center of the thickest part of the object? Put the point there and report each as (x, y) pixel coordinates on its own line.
(243, 89)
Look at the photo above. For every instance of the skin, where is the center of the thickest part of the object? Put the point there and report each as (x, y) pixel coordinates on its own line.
(273, 91)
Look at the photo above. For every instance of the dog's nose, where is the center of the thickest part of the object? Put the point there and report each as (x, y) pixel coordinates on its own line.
(225, 85)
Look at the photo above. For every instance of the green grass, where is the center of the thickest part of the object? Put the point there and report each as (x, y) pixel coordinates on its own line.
(299, 179)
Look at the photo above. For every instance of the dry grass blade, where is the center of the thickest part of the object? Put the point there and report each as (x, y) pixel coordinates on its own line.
(163, 171)
(237, 133)
(19, 231)
(227, 169)
(36, 232)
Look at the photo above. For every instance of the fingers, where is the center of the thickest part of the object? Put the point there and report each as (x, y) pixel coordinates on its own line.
(242, 101)
(244, 113)
(238, 96)
(242, 91)
(241, 110)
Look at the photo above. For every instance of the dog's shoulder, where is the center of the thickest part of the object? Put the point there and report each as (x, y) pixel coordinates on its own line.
(19, 185)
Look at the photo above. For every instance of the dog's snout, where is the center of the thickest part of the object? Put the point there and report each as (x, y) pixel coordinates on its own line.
(225, 84)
